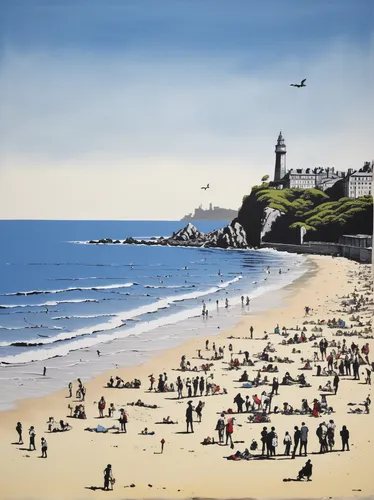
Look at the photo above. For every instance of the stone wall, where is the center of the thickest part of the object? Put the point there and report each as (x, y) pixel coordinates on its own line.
(363, 255)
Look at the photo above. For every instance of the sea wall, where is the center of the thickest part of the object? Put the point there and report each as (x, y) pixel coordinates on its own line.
(362, 255)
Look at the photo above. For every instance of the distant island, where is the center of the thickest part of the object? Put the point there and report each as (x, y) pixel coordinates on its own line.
(212, 213)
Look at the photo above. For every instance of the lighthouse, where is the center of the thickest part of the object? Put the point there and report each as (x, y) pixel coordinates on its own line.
(280, 158)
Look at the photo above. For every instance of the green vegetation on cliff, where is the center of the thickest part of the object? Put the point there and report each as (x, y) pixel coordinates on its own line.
(324, 218)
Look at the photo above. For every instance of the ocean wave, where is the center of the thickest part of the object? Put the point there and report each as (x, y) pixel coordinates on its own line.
(170, 286)
(71, 289)
(30, 327)
(50, 303)
(88, 316)
(116, 323)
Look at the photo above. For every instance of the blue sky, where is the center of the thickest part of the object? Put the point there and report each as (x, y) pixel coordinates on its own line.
(115, 92)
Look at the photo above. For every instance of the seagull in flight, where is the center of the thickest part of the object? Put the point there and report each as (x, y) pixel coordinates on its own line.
(299, 85)
(205, 187)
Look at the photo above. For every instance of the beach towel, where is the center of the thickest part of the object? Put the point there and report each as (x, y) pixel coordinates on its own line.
(247, 385)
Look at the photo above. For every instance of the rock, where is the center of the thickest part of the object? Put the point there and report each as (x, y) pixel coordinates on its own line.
(188, 233)
(231, 236)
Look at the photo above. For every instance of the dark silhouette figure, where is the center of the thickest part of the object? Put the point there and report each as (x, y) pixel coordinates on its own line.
(336, 383)
(19, 431)
(264, 434)
(205, 187)
(108, 477)
(189, 419)
(44, 371)
(296, 439)
(344, 434)
(306, 471)
(239, 402)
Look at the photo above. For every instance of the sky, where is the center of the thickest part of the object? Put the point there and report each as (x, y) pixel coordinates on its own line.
(124, 109)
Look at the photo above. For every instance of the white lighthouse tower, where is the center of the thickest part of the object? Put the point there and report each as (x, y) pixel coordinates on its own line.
(280, 158)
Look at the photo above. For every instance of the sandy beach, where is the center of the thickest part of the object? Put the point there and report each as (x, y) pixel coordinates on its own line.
(187, 468)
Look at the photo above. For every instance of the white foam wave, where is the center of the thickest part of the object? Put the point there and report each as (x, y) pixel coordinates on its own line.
(56, 318)
(70, 289)
(115, 323)
(48, 303)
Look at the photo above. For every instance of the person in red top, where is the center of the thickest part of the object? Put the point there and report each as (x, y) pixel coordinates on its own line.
(229, 431)
(257, 401)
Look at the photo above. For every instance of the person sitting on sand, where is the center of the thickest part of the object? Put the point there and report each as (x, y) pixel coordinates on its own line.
(306, 471)
(244, 377)
(307, 365)
(111, 382)
(119, 382)
(326, 388)
(287, 409)
(167, 420)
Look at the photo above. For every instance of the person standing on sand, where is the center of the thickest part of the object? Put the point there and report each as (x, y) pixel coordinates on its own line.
(152, 381)
(336, 383)
(108, 477)
(189, 388)
(70, 387)
(44, 371)
(344, 434)
(239, 402)
(199, 410)
(32, 438)
(269, 442)
(220, 427)
(264, 434)
(287, 441)
(296, 439)
(101, 406)
(195, 383)
(251, 331)
(19, 431)
(189, 419)
(304, 438)
(44, 447)
(230, 431)
(201, 385)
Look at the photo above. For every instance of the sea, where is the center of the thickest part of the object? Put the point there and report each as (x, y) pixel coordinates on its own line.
(62, 300)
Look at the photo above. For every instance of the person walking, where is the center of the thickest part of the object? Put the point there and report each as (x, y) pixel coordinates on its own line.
(303, 438)
(264, 434)
(296, 439)
(108, 478)
(344, 434)
(44, 447)
(220, 427)
(287, 441)
(239, 402)
(189, 419)
(70, 387)
(19, 431)
(251, 330)
(32, 435)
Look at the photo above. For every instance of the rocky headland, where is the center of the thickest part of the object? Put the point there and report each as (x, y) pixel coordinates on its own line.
(231, 236)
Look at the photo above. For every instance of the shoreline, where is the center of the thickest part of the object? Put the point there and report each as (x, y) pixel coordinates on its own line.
(189, 324)
(133, 465)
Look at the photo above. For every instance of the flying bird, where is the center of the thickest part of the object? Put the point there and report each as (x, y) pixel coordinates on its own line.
(205, 187)
(299, 85)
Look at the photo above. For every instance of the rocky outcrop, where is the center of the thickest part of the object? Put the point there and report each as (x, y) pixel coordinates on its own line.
(231, 236)
(188, 233)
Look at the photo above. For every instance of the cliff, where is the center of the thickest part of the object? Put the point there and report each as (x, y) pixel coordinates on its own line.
(272, 215)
